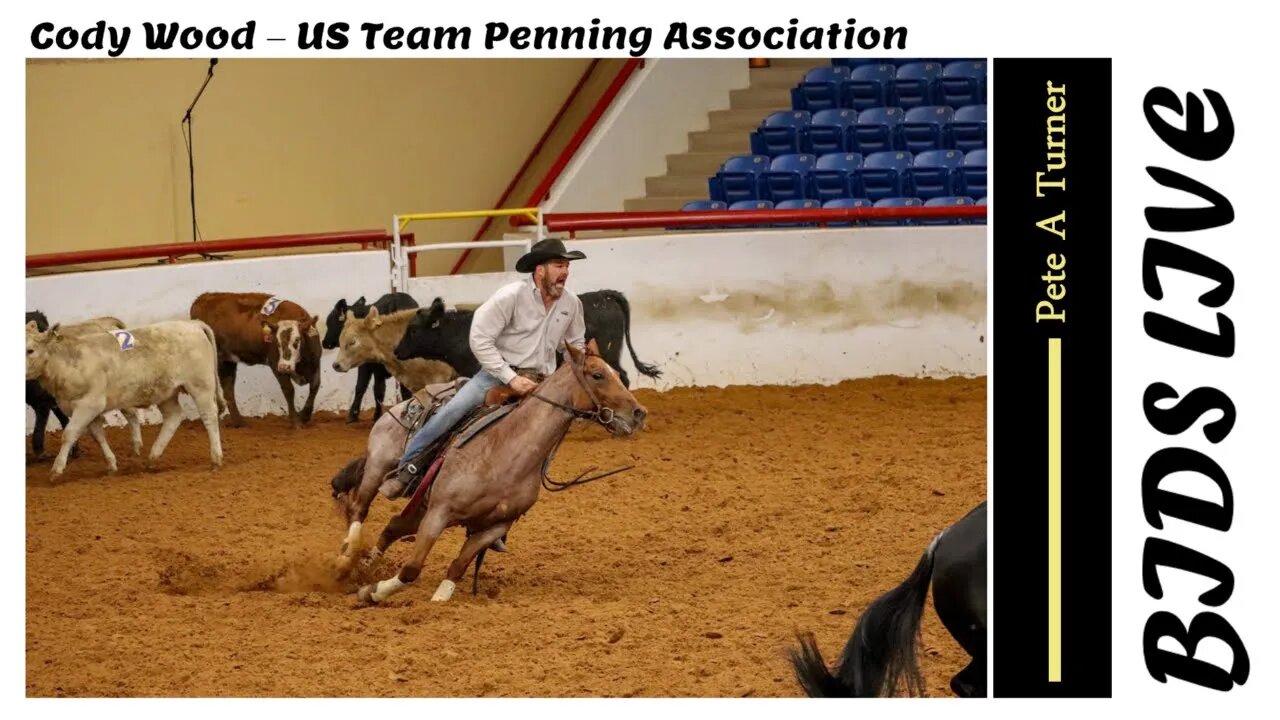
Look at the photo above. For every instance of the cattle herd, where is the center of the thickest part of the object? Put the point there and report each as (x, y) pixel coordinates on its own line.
(79, 372)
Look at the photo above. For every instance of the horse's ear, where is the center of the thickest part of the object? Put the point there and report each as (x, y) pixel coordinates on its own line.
(592, 348)
(574, 354)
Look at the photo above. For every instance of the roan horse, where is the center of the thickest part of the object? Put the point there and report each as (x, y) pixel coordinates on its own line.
(489, 483)
(881, 650)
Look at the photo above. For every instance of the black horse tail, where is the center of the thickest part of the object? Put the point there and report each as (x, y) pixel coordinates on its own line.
(881, 652)
(349, 477)
(644, 368)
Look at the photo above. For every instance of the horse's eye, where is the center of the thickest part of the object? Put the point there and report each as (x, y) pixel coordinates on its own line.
(597, 376)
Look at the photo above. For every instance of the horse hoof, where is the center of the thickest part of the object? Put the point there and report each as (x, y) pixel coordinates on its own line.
(370, 559)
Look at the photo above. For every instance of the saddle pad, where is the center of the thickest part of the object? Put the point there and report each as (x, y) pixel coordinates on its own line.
(483, 423)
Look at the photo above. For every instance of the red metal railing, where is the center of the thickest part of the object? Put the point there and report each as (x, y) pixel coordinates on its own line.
(588, 124)
(581, 222)
(528, 160)
(173, 251)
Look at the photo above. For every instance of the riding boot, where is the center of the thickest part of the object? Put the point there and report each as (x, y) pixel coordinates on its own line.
(395, 484)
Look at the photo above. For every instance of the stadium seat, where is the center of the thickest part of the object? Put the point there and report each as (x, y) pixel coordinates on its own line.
(852, 63)
(867, 86)
(876, 130)
(935, 173)
(739, 178)
(884, 174)
(796, 205)
(704, 205)
(837, 175)
(827, 131)
(788, 177)
(922, 128)
(973, 174)
(846, 203)
(752, 205)
(950, 201)
(964, 83)
(819, 90)
(779, 133)
(915, 84)
(892, 202)
(968, 129)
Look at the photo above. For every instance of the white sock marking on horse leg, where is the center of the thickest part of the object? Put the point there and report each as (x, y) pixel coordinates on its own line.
(353, 535)
(444, 592)
(386, 588)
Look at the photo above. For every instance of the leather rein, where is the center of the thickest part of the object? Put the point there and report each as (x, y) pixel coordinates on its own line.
(600, 413)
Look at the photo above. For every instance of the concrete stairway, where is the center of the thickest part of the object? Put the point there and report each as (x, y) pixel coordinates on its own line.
(728, 133)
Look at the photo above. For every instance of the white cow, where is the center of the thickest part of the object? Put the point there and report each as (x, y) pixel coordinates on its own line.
(92, 374)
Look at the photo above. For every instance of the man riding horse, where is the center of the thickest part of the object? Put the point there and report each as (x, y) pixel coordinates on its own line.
(514, 336)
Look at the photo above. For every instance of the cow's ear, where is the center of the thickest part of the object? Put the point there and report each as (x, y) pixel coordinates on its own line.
(313, 328)
(341, 307)
(53, 331)
(350, 316)
(268, 333)
(361, 301)
(373, 313)
(33, 325)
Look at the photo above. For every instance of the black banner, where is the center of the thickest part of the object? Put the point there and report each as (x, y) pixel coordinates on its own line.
(1051, 335)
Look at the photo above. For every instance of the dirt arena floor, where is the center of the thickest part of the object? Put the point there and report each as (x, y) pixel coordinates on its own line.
(752, 512)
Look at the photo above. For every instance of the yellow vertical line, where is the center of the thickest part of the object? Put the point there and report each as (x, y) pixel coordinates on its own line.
(1055, 509)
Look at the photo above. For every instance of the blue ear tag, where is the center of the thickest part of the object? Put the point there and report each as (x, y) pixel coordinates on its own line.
(124, 339)
(270, 306)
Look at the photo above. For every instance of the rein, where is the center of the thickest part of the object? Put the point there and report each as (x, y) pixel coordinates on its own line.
(601, 414)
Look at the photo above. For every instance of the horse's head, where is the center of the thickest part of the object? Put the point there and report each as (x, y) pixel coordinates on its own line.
(600, 390)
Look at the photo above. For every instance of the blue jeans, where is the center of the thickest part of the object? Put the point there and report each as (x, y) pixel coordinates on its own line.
(470, 397)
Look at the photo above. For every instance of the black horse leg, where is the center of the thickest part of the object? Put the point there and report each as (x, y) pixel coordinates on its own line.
(972, 680)
(37, 434)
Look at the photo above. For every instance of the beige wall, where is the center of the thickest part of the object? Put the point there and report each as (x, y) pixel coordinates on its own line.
(281, 146)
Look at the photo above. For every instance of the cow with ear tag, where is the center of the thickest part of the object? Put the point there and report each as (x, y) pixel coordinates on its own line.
(263, 329)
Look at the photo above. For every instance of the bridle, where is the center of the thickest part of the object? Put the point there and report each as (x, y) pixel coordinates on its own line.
(599, 413)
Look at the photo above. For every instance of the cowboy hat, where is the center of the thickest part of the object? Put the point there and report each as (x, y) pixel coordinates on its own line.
(549, 249)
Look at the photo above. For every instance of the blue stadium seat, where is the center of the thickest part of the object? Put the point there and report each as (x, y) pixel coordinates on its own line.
(867, 86)
(779, 133)
(973, 174)
(704, 205)
(922, 128)
(827, 131)
(846, 203)
(884, 174)
(837, 175)
(896, 202)
(858, 62)
(752, 205)
(915, 84)
(876, 130)
(739, 178)
(788, 177)
(968, 129)
(796, 205)
(964, 83)
(935, 173)
(819, 90)
(951, 201)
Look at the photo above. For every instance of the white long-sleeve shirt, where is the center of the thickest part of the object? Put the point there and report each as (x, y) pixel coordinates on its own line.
(514, 328)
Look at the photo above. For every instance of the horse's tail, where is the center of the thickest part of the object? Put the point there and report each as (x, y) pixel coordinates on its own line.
(811, 671)
(349, 477)
(644, 368)
(881, 652)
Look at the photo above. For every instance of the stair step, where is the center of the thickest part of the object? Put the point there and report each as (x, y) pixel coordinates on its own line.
(746, 119)
(729, 143)
(705, 164)
(784, 77)
(768, 98)
(805, 63)
(669, 185)
(659, 204)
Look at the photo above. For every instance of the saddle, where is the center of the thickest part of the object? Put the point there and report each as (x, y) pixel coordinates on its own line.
(499, 402)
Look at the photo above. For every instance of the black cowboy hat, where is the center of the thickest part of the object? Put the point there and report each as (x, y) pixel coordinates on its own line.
(549, 249)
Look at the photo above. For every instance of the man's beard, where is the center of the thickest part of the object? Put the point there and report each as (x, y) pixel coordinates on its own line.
(552, 289)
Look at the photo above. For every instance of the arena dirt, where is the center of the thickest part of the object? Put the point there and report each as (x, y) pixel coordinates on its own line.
(751, 513)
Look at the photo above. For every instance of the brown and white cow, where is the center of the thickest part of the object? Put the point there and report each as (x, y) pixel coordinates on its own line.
(262, 329)
(373, 338)
(97, 372)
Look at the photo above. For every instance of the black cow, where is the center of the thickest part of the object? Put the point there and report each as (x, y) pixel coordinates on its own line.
(40, 400)
(391, 302)
(442, 335)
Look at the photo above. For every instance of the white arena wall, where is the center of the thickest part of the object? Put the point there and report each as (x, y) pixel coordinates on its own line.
(749, 307)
